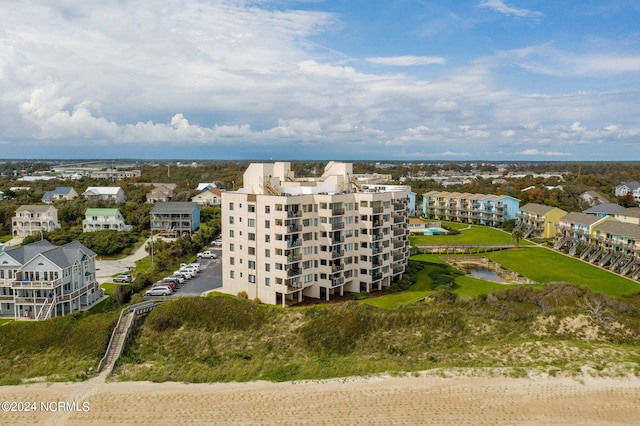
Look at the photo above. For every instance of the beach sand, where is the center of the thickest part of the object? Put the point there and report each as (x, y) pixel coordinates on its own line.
(383, 400)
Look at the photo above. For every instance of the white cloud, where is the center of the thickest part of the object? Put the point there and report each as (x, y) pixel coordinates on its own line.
(501, 7)
(539, 153)
(403, 61)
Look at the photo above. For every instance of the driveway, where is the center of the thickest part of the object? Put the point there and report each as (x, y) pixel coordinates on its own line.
(106, 269)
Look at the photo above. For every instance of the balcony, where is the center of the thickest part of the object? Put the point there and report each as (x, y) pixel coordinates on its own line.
(398, 270)
(296, 243)
(291, 229)
(337, 225)
(293, 214)
(337, 268)
(335, 241)
(377, 276)
(294, 272)
(376, 250)
(378, 210)
(400, 206)
(294, 258)
(337, 212)
(337, 253)
(35, 284)
(376, 237)
(337, 281)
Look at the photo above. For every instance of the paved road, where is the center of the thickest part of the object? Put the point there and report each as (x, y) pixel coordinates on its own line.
(209, 278)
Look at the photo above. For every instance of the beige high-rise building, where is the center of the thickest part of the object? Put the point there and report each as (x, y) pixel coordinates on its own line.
(287, 238)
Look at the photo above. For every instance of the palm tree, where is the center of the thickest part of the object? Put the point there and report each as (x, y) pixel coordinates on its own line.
(517, 235)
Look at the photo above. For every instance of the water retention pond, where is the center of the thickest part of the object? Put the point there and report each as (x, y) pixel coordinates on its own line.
(484, 269)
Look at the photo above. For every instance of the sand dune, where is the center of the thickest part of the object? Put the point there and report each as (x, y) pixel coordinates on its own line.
(420, 400)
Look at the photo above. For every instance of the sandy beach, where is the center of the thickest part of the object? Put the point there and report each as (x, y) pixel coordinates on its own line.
(412, 400)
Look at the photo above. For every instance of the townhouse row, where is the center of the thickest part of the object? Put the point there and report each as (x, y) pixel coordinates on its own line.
(480, 209)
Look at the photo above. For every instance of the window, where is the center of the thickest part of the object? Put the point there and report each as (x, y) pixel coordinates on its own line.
(230, 206)
(252, 279)
(232, 274)
(267, 281)
(232, 261)
(267, 238)
(267, 224)
(252, 250)
(267, 253)
(230, 220)
(267, 209)
(251, 222)
(231, 234)
(251, 208)
(231, 247)
(252, 264)
(267, 267)
(251, 236)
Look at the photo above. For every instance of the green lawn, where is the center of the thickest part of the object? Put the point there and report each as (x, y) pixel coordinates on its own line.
(537, 263)
(543, 266)
(469, 234)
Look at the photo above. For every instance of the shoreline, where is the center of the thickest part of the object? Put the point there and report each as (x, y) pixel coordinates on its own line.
(384, 399)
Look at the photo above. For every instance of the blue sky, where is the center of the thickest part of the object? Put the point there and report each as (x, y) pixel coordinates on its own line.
(341, 79)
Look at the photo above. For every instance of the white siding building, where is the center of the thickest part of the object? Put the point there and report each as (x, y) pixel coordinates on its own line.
(287, 238)
(41, 281)
(33, 220)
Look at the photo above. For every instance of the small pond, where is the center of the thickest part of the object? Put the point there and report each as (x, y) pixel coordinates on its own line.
(480, 272)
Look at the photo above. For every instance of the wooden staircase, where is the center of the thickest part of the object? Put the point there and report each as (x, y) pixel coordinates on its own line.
(116, 344)
(47, 309)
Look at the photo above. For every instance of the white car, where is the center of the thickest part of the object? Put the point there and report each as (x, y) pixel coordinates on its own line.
(158, 291)
(178, 277)
(187, 273)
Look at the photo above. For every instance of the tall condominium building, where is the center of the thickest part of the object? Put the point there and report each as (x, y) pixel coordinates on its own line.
(286, 238)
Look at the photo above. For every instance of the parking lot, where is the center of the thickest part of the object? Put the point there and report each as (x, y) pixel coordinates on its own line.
(209, 278)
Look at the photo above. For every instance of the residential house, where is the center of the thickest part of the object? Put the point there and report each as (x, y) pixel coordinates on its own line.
(161, 192)
(288, 238)
(482, 209)
(105, 193)
(209, 197)
(539, 221)
(60, 193)
(629, 187)
(41, 281)
(203, 186)
(34, 220)
(102, 219)
(173, 219)
(605, 209)
(592, 198)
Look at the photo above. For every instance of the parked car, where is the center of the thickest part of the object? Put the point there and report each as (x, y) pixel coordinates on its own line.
(182, 276)
(188, 272)
(158, 291)
(123, 278)
(171, 279)
(170, 285)
(181, 279)
(208, 254)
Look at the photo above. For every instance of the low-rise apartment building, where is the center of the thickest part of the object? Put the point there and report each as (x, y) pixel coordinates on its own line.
(41, 281)
(575, 229)
(103, 219)
(481, 209)
(34, 220)
(287, 238)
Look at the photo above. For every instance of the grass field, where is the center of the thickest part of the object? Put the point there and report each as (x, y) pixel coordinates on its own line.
(544, 266)
(469, 234)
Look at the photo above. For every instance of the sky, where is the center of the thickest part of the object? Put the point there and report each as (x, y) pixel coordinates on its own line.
(521, 80)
